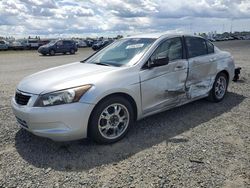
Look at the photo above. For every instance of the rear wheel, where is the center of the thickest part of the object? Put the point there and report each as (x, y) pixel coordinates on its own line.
(110, 120)
(52, 52)
(219, 89)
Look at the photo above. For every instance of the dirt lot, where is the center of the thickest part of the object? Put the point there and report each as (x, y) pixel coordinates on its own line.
(197, 145)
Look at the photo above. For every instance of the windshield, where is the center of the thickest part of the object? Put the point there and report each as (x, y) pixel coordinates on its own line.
(122, 52)
(52, 42)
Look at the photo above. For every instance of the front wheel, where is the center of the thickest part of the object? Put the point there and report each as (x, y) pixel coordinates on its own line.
(72, 51)
(219, 89)
(52, 52)
(110, 120)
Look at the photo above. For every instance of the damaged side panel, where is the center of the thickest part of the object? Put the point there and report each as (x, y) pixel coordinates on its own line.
(203, 70)
(226, 62)
(162, 87)
(201, 76)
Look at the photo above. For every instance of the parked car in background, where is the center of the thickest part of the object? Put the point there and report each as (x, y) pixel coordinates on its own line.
(25, 43)
(20, 44)
(81, 44)
(89, 42)
(135, 77)
(4, 45)
(101, 44)
(58, 46)
(212, 40)
(43, 42)
(34, 43)
(16, 45)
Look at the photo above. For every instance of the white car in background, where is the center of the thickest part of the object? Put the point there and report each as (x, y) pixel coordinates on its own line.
(128, 80)
(4, 45)
(16, 45)
(33, 43)
(81, 44)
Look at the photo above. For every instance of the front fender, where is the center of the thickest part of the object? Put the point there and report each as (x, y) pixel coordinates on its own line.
(94, 95)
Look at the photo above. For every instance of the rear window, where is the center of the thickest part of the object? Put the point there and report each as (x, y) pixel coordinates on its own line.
(196, 46)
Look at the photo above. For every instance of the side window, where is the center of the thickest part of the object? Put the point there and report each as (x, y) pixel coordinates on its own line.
(66, 42)
(59, 43)
(210, 47)
(196, 46)
(171, 48)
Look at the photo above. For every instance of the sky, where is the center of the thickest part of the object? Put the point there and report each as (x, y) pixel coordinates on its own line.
(81, 18)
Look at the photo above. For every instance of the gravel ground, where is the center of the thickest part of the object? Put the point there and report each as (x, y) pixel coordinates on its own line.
(200, 144)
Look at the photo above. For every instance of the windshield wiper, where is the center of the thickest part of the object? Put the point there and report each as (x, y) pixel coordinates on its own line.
(100, 63)
(82, 61)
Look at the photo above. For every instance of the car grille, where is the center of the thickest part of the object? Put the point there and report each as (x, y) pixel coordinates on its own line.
(21, 98)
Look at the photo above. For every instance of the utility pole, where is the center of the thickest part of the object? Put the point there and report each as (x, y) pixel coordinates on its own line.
(231, 29)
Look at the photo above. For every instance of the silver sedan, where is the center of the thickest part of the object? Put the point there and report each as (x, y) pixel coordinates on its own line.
(134, 77)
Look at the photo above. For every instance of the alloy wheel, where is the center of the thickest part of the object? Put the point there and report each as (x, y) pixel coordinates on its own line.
(113, 121)
(220, 87)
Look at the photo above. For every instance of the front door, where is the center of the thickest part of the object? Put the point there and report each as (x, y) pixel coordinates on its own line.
(164, 86)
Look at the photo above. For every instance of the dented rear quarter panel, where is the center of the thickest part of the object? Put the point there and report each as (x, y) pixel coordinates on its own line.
(203, 71)
(226, 62)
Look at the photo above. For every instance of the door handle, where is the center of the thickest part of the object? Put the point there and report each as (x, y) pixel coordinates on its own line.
(179, 67)
(212, 59)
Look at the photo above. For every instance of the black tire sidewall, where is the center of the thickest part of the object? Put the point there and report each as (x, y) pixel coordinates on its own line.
(50, 52)
(72, 51)
(94, 132)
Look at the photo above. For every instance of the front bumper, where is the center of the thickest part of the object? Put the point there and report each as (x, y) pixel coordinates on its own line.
(43, 50)
(60, 123)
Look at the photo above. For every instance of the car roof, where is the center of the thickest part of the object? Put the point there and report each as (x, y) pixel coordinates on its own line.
(159, 35)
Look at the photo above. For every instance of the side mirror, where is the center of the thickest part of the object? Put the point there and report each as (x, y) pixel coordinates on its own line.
(160, 61)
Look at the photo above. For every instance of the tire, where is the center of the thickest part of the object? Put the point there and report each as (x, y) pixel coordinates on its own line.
(103, 116)
(52, 52)
(219, 91)
(72, 51)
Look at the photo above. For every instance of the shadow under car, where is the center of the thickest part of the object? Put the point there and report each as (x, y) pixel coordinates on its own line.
(84, 154)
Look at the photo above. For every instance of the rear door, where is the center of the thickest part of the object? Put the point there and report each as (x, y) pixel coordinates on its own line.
(202, 66)
(67, 45)
(163, 87)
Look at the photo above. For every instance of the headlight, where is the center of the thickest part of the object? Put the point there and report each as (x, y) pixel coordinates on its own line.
(62, 97)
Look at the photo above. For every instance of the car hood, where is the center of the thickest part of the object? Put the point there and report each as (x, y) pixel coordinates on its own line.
(44, 46)
(16, 44)
(63, 77)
